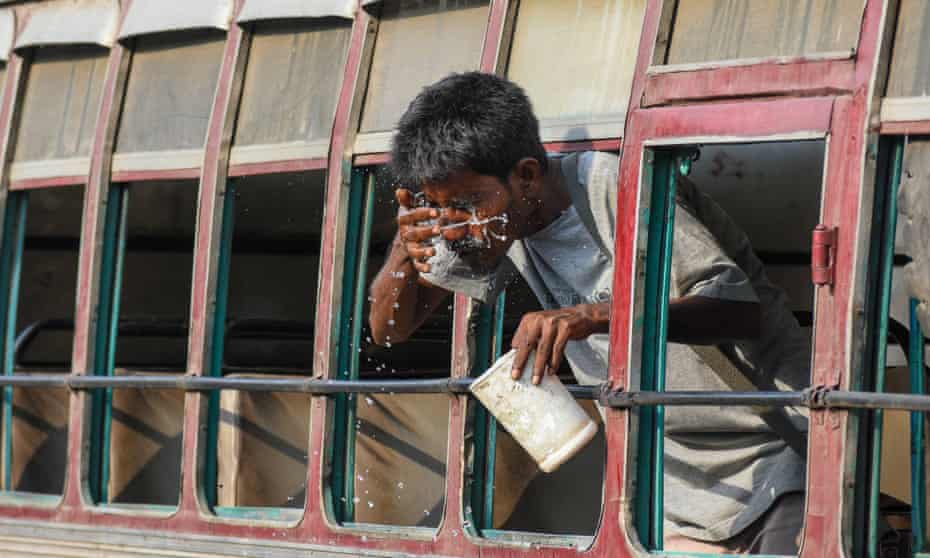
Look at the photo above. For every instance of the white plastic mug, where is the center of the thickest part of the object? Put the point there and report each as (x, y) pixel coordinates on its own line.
(545, 419)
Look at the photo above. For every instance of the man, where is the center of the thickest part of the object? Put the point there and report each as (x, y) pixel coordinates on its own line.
(495, 205)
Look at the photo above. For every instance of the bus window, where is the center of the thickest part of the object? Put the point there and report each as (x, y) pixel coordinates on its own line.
(150, 244)
(267, 297)
(40, 270)
(393, 461)
(169, 95)
(910, 62)
(587, 95)
(509, 492)
(59, 112)
(897, 488)
(718, 30)
(418, 43)
(291, 86)
(728, 236)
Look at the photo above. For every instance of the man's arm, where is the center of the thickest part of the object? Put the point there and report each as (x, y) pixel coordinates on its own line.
(400, 301)
(700, 320)
(548, 332)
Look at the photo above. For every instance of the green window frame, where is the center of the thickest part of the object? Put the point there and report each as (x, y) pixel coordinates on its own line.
(878, 297)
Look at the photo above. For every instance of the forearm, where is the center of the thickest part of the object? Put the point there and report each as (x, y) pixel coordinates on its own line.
(399, 301)
(698, 320)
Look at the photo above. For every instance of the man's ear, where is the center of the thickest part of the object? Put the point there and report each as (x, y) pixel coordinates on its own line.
(527, 174)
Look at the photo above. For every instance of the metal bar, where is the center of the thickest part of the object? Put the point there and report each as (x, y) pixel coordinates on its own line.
(918, 442)
(12, 268)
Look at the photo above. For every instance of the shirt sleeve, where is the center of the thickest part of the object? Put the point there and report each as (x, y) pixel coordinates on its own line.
(700, 267)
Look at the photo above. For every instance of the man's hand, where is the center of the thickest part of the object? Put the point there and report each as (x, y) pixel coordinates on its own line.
(549, 331)
(415, 230)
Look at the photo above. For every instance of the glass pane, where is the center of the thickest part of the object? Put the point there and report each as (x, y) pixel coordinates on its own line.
(156, 288)
(262, 448)
(170, 92)
(593, 60)
(292, 82)
(145, 446)
(419, 42)
(732, 328)
(61, 103)
(45, 328)
(910, 60)
(711, 30)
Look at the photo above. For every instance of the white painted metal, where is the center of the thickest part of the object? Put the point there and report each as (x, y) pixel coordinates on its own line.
(7, 32)
(153, 16)
(70, 22)
(255, 10)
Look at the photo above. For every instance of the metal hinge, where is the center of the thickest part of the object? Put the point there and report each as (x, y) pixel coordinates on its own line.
(823, 255)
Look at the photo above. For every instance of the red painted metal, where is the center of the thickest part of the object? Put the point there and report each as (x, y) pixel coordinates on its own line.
(150, 175)
(823, 257)
(796, 77)
(586, 145)
(493, 35)
(273, 167)
(913, 128)
(38, 183)
(371, 159)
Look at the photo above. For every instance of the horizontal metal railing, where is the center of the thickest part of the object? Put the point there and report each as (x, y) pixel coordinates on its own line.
(815, 398)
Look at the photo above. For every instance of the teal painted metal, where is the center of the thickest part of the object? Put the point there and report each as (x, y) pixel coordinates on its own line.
(14, 235)
(661, 174)
(886, 263)
(259, 513)
(918, 441)
(345, 344)
(358, 321)
(491, 428)
(218, 346)
(475, 512)
(112, 333)
(112, 223)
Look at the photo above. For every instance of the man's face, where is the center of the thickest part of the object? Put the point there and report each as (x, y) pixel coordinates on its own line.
(479, 214)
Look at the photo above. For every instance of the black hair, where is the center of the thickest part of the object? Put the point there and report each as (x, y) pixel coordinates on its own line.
(470, 121)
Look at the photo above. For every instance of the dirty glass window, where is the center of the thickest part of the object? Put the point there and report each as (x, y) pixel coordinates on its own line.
(419, 42)
(149, 251)
(40, 261)
(267, 303)
(593, 63)
(390, 469)
(59, 111)
(910, 61)
(724, 311)
(717, 30)
(169, 96)
(291, 87)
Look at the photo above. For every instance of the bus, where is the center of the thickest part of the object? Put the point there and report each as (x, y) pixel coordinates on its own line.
(196, 194)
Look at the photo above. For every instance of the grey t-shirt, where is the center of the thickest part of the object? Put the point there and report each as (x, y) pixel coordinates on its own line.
(723, 465)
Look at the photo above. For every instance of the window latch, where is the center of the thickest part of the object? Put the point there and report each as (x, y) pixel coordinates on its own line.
(823, 255)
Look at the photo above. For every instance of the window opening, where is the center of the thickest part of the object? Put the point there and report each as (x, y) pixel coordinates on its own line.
(40, 262)
(145, 311)
(896, 493)
(719, 30)
(510, 496)
(59, 112)
(418, 43)
(587, 94)
(291, 88)
(716, 243)
(388, 450)
(169, 97)
(266, 293)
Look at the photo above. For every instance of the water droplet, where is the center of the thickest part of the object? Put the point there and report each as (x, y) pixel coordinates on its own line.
(371, 504)
(396, 305)
(356, 500)
(391, 322)
(387, 344)
(369, 400)
(426, 513)
(400, 485)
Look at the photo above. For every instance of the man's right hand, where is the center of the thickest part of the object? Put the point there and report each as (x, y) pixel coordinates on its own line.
(412, 231)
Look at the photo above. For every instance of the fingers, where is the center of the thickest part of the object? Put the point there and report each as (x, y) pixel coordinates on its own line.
(543, 348)
(405, 198)
(524, 341)
(418, 215)
(419, 234)
(558, 348)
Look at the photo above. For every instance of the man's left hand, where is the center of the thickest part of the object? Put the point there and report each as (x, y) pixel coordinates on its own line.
(548, 332)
